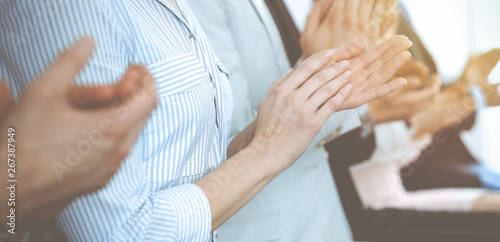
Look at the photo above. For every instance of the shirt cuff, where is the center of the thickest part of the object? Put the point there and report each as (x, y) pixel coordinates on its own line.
(191, 206)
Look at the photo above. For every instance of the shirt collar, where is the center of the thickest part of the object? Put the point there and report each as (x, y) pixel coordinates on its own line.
(182, 16)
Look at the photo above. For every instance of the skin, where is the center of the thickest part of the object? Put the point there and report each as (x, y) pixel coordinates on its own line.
(291, 115)
(52, 115)
(5, 99)
(334, 23)
(418, 95)
(489, 202)
(477, 71)
(451, 106)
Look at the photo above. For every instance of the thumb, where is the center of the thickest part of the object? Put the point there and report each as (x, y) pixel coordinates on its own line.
(61, 73)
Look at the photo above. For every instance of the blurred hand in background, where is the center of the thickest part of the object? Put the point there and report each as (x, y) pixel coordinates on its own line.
(332, 24)
(419, 94)
(478, 70)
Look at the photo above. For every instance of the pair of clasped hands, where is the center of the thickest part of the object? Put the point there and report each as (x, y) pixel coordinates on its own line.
(52, 112)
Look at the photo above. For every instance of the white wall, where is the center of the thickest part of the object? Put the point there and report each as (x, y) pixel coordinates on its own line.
(454, 29)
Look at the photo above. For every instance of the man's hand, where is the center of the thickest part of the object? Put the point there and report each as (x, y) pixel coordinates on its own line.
(5, 100)
(477, 71)
(64, 148)
(414, 97)
(451, 106)
(334, 23)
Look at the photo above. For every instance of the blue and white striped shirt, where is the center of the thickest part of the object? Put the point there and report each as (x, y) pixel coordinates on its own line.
(151, 196)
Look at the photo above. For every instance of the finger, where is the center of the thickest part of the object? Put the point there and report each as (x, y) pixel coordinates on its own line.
(388, 56)
(134, 108)
(337, 55)
(388, 70)
(414, 68)
(336, 11)
(388, 24)
(414, 83)
(416, 97)
(350, 51)
(310, 67)
(319, 79)
(334, 104)
(365, 11)
(327, 91)
(88, 97)
(133, 80)
(380, 91)
(279, 81)
(61, 73)
(325, 8)
(376, 53)
(435, 82)
(5, 100)
(313, 20)
(378, 11)
(351, 10)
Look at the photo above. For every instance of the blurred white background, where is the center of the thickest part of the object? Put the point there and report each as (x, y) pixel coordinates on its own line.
(453, 30)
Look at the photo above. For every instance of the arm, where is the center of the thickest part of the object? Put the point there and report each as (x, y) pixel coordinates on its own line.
(289, 117)
(45, 191)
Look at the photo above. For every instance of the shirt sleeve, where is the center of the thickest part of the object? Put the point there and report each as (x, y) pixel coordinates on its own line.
(33, 34)
(181, 213)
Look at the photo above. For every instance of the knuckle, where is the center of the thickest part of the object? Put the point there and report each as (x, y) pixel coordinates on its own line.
(330, 89)
(332, 104)
(321, 77)
(310, 66)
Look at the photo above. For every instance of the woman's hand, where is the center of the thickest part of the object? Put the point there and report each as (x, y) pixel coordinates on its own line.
(298, 105)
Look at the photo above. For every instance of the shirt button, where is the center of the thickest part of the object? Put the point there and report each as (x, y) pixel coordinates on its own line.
(216, 236)
(191, 36)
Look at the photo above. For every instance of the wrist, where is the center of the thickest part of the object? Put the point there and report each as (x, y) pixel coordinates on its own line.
(264, 157)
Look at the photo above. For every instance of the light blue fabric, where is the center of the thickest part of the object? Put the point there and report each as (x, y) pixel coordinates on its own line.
(302, 203)
(151, 196)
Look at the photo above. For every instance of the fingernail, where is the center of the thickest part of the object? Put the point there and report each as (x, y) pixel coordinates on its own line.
(348, 87)
(344, 64)
(329, 53)
(346, 74)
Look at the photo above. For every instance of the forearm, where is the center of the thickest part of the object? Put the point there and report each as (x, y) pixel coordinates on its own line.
(242, 140)
(234, 183)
